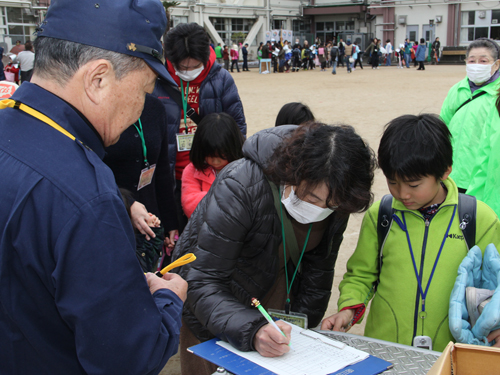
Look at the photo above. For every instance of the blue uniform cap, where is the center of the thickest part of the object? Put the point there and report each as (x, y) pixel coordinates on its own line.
(131, 27)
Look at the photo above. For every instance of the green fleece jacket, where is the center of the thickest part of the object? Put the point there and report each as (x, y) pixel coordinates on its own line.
(469, 126)
(396, 304)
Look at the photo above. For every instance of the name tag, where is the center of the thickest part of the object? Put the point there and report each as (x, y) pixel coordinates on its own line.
(184, 142)
(296, 318)
(146, 176)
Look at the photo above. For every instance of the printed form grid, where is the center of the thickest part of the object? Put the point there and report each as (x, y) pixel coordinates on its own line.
(309, 357)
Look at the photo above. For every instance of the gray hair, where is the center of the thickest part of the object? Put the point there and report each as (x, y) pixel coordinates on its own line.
(59, 59)
(489, 44)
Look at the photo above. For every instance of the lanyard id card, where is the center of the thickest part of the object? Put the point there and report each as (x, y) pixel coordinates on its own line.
(296, 318)
(184, 142)
(146, 176)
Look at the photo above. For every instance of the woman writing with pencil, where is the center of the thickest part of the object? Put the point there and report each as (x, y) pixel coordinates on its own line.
(270, 228)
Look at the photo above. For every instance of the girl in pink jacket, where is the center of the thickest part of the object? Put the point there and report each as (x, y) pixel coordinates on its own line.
(217, 142)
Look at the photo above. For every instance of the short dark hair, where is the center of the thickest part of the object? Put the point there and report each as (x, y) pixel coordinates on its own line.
(422, 40)
(294, 114)
(415, 146)
(217, 135)
(317, 153)
(187, 40)
(489, 44)
(28, 46)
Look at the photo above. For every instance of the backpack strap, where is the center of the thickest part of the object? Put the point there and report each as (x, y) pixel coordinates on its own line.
(385, 212)
(467, 207)
(384, 222)
(175, 94)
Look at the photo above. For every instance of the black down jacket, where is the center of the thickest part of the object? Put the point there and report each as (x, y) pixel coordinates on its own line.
(218, 93)
(235, 233)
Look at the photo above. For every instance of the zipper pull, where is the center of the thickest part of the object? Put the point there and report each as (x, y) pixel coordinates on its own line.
(427, 222)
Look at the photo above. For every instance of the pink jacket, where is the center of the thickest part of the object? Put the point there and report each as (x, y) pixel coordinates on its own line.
(195, 185)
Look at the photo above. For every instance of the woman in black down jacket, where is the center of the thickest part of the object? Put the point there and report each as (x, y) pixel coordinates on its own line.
(313, 176)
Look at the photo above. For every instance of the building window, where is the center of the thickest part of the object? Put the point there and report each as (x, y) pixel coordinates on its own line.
(301, 26)
(17, 24)
(176, 20)
(279, 24)
(480, 24)
(218, 23)
(232, 30)
(237, 24)
(495, 17)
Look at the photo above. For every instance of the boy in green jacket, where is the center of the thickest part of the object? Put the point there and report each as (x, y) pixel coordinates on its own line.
(424, 245)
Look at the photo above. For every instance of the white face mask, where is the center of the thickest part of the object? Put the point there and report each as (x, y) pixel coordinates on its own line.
(478, 73)
(303, 212)
(189, 75)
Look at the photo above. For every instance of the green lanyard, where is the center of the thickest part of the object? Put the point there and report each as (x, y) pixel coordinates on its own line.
(289, 286)
(184, 102)
(144, 149)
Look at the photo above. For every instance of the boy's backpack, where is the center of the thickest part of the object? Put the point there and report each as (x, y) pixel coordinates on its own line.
(296, 52)
(467, 205)
(307, 52)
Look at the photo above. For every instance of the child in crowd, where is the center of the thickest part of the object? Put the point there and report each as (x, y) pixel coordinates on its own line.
(217, 142)
(410, 273)
(294, 113)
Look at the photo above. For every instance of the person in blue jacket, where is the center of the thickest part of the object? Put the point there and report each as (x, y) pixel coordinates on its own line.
(73, 297)
(420, 54)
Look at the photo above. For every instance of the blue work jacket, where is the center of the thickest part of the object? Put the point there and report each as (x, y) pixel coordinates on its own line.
(73, 298)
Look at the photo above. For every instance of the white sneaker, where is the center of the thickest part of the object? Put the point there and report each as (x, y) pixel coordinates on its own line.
(476, 299)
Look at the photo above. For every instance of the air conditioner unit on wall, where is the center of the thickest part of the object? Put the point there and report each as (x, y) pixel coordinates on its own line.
(402, 20)
(482, 14)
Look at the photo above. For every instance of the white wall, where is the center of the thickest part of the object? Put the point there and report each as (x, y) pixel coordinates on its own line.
(419, 16)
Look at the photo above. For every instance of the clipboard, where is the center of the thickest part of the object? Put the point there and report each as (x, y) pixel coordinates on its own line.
(237, 365)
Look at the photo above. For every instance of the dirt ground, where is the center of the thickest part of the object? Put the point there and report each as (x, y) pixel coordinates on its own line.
(366, 99)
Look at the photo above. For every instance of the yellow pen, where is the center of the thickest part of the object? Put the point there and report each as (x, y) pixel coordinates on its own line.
(185, 259)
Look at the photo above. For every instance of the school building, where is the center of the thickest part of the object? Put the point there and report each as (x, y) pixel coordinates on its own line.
(456, 23)
(19, 19)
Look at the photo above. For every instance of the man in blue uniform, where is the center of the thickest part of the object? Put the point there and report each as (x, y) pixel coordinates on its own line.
(73, 298)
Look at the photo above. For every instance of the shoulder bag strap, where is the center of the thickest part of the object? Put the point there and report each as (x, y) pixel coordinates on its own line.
(175, 94)
(470, 100)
